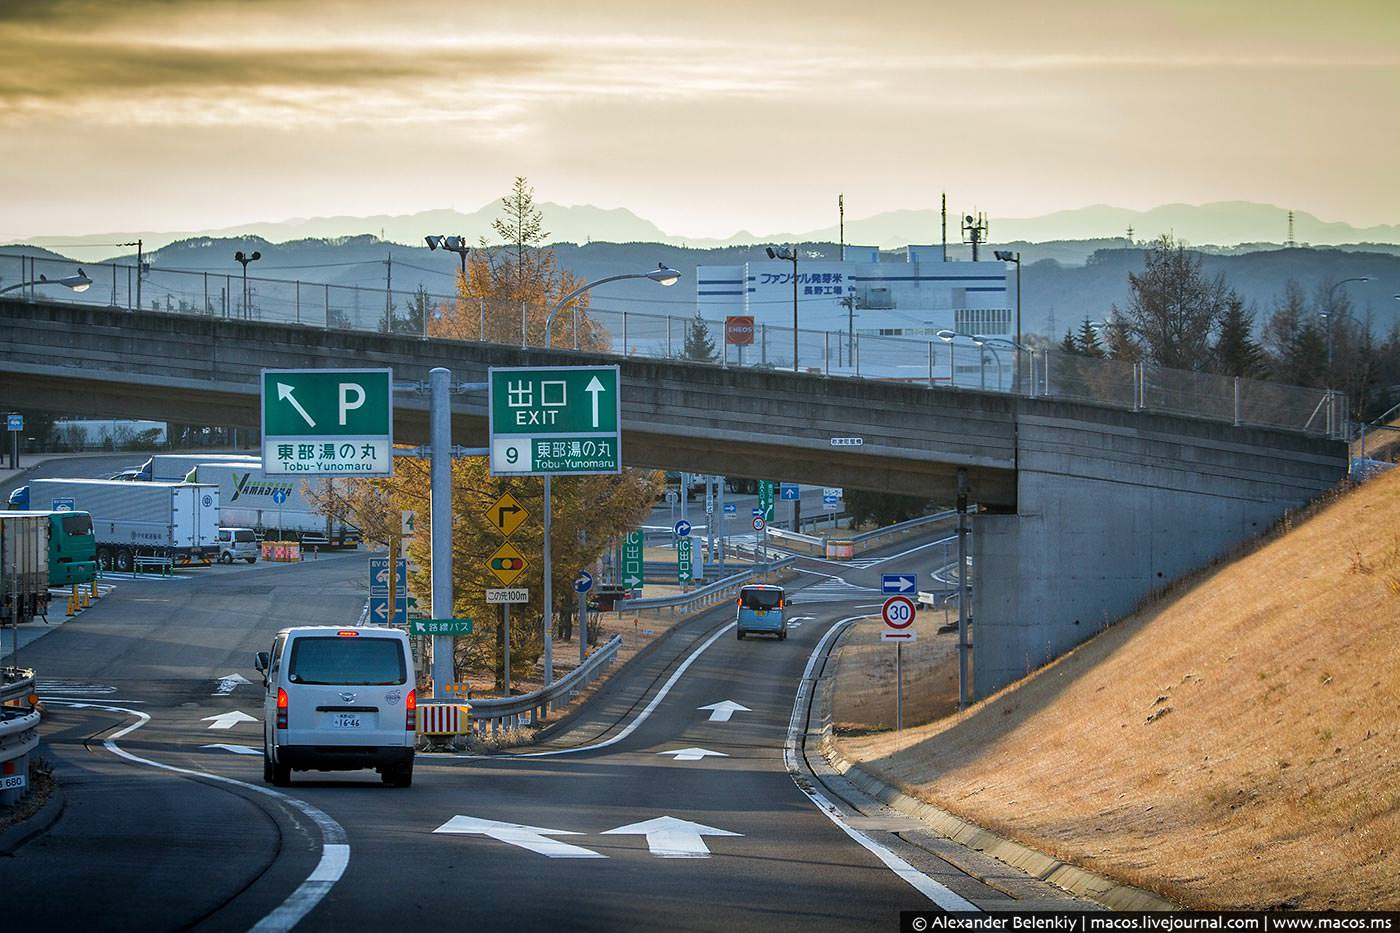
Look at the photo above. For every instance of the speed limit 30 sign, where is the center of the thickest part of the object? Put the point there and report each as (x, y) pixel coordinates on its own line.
(898, 613)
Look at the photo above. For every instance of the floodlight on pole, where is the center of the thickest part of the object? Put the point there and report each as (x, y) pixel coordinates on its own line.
(789, 254)
(243, 259)
(1006, 255)
(452, 244)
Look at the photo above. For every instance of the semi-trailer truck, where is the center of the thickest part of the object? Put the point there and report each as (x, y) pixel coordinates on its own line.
(24, 567)
(248, 498)
(179, 521)
(72, 547)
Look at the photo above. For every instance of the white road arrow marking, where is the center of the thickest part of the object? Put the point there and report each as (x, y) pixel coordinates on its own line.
(668, 837)
(227, 720)
(721, 711)
(516, 834)
(236, 749)
(594, 389)
(227, 683)
(284, 393)
(692, 754)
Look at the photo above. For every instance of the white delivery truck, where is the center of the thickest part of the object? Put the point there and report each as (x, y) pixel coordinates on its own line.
(248, 498)
(24, 567)
(179, 521)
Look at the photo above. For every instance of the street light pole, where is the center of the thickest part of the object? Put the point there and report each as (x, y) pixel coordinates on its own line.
(1006, 255)
(243, 260)
(662, 276)
(1331, 293)
(789, 253)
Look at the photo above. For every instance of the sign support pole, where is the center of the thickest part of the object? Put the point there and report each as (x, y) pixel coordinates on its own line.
(899, 686)
(962, 589)
(505, 654)
(723, 520)
(440, 476)
(548, 585)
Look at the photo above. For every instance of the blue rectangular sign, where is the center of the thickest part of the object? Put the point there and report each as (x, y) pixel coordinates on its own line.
(898, 583)
(379, 610)
(14, 422)
(63, 504)
(379, 577)
(789, 491)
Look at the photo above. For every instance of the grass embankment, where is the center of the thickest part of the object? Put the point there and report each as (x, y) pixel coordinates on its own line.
(1235, 745)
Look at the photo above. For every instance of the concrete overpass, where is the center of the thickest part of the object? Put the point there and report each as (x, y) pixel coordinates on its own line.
(1085, 508)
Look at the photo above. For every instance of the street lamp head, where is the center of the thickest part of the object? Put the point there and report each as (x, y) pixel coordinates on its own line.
(433, 241)
(979, 339)
(1006, 255)
(453, 243)
(78, 283)
(771, 253)
(786, 253)
(663, 275)
(946, 335)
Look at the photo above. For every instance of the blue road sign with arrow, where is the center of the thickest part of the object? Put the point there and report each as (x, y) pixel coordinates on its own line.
(682, 529)
(897, 583)
(583, 582)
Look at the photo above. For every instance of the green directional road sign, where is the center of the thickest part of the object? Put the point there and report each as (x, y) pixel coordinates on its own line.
(553, 420)
(765, 499)
(440, 627)
(632, 560)
(683, 559)
(328, 422)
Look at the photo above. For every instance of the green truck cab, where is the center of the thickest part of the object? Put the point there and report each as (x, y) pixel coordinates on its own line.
(72, 548)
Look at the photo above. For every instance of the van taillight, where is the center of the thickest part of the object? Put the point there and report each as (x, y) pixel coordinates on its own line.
(410, 723)
(281, 708)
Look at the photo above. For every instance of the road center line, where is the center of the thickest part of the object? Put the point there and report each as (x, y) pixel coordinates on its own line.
(335, 849)
(935, 892)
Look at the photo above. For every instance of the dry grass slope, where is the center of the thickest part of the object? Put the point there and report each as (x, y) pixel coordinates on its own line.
(1234, 746)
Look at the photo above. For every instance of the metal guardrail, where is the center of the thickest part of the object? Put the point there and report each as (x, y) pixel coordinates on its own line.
(19, 732)
(866, 537)
(998, 366)
(507, 714)
(800, 538)
(706, 596)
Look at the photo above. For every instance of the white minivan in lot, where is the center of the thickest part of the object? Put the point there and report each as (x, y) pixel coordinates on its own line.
(237, 544)
(338, 699)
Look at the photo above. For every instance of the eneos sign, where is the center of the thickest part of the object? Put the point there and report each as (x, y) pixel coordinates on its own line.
(738, 330)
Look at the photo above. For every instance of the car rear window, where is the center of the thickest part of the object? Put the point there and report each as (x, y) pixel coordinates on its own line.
(336, 659)
(760, 599)
(244, 535)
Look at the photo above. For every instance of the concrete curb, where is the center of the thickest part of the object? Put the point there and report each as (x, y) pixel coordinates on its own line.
(1073, 879)
(20, 833)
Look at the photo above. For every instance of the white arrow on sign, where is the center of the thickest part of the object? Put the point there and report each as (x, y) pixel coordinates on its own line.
(226, 684)
(284, 393)
(227, 720)
(721, 711)
(516, 834)
(236, 749)
(668, 837)
(594, 388)
(692, 754)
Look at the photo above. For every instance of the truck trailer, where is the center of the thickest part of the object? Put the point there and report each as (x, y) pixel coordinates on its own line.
(24, 567)
(179, 521)
(248, 498)
(72, 547)
(173, 468)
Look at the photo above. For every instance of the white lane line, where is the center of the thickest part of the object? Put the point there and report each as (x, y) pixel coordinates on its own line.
(335, 850)
(935, 892)
(646, 713)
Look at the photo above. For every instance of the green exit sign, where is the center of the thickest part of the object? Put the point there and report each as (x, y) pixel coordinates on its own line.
(555, 420)
(328, 422)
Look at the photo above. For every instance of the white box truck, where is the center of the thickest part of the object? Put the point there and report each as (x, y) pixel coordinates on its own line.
(173, 468)
(248, 498)
(179, 521)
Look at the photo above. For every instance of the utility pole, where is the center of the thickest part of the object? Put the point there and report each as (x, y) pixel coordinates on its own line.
(841, 211)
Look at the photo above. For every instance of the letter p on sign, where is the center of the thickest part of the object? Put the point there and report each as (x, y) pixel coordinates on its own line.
(346, 390)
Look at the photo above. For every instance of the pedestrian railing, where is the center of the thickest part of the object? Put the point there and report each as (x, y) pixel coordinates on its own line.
(994, 364)
(16, 683)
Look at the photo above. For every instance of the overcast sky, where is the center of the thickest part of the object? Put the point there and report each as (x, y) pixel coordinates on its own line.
(704, 117)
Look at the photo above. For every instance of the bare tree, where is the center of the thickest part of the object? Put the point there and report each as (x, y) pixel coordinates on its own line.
(1174, 308)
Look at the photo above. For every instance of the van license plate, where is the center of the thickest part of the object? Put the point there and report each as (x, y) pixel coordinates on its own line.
(760, 613)
(345, 721)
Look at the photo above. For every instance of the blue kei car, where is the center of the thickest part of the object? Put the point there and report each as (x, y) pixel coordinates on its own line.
(761, 611)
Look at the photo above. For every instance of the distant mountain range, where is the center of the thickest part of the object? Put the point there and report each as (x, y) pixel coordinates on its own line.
(1221, 224)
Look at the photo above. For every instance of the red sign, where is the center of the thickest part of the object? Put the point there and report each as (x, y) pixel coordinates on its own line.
(738, 331)
(898, 612)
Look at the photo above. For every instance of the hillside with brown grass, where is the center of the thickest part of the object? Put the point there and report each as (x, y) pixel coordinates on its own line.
(1234, 745)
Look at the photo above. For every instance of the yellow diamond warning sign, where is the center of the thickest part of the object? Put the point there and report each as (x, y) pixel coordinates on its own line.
(506, 564)
(506, 514)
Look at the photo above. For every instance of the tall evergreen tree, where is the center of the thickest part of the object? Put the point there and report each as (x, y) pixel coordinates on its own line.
(1236, 352)
(699, 345)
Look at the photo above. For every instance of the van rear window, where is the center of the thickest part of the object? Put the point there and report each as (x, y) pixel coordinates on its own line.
(244, 534)
(347, 661)
(760, 599)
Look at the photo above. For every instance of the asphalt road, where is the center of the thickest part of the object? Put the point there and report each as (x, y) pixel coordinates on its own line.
(648, 809)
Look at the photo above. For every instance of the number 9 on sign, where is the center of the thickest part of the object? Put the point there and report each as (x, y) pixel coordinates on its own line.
(511, 456)
(898, 612)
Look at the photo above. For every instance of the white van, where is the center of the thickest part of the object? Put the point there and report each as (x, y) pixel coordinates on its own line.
(338, 699)
(237, 544)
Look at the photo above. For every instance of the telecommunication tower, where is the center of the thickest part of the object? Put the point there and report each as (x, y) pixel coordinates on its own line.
(974, 231)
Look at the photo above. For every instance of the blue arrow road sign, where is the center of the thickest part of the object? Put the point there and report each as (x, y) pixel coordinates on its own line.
(730, 508)
(379, 577)
(379, 610)
(897, 583)
(14, 422)
(682, 529)
(583, 582)
(63, 504)
(279, 496)
(789, 491)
